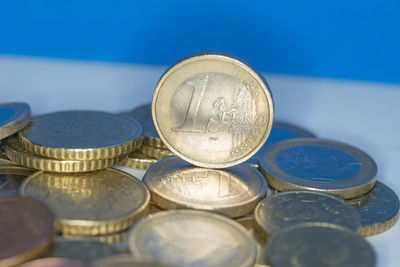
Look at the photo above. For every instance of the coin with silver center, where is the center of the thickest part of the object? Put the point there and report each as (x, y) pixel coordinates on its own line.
(13, 118)
(10, 179)
(212, 110)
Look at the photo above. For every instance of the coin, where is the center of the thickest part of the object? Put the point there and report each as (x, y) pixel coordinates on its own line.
(94, 203)
(212, 110)
(136, 162)
(81, 135)
(19, 155)
(26, 230)
(324, 245)
(233, 192)
(127, 261)
(318, 165)
(378, 209)
(192, 238)
(10, 179)
(157, 153)
(55, 262)
(13, 118)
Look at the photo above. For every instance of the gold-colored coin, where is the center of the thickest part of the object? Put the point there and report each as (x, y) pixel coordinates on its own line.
(177, 184)
(10, 179)
(155, 152)
(212, 110)
(13, 118)
(100, 202)
(81, 135)
(19, 155)
(138, 161)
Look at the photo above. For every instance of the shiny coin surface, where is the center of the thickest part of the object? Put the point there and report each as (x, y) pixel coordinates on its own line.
(13, 118)
(192, 238)
(10, 179)
(233, 192)
(135, 162)
(156, 153)
(20, 155)
(322, 245)
(319, 165)
(55, 262)
(94, 203)
(295, 207)
(212, 110)
(81, 135)
(127, 261)
(26, 230)
(378, 209)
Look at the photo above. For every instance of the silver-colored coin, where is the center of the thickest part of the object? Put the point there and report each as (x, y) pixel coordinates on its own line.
(13, 118)
(233, 192)
(192, 238)
(322, 245)
(10, 179)
(319, 165)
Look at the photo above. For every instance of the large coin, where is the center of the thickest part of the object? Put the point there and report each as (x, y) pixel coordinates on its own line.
(81, 135)
(192, 238)
(26, 230)
(322, 245)
(55, 262)
(233, 192)
(13, 118)
(10, 179)
(94, 203)
(319, 165)
(213, 110)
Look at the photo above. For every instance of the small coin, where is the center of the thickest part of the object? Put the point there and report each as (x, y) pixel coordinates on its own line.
(322, 245)
(137, 161)
(127, 261)
(319, 165)
(378, 209)
(94, 203)
(212, 110)
(13, 118)
(10, 179)
(192, 238)
(20, 155)
(233, 192)
(55, 262)
(81, 135)
(26, 230)
(156, 153)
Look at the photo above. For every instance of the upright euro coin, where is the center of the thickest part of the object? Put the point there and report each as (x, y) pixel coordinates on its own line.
(13, 118)
(212, 110)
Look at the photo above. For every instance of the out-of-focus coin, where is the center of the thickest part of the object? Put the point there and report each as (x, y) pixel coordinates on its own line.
(213, 110)
(127, 261)
(319, 165)
(322, 245)
(154, 208)
(81, 135)
(295, 207)
(13, 118)
(94, 203)
(233, 192)
(192, 238)
(138, 161)
(55, 262)
(10, 179)
(26, 230)
(20, 155)
(157, 153)
(378, 209)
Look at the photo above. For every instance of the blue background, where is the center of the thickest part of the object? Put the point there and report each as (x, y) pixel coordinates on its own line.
(356, 39)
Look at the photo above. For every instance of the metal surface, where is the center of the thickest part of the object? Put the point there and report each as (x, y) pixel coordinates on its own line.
(155, 152)
(127, 261)
(13, 118)
(10, 179)
(55, 262)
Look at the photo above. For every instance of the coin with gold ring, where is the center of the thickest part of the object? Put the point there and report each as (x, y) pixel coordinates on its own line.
(13, 118)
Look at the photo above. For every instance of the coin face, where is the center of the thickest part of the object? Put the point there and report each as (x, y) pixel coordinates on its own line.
(212, 110)
(192, 238)
(294, 207)
(313, 244)
(13, 118)
(319, 165)
(81, 135)
(10, 179)
(26, 229)
(55, 262)
(233, 192)
(92, 203)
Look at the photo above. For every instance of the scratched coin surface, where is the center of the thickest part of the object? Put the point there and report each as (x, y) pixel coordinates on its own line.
(212, 110)
(13, 118)
(94, 203)
(192, 238)
(10, 179)
(294, 207)
(322, 245)
(319, 165)
(234, 192)
(26, 230)
(55, 262)
(81, 135)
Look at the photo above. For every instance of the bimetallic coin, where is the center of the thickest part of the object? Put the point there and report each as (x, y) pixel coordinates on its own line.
(212, 110)
(295, 207)
(192, 238)
(94, 203)
(10, 179)
(233, 192)
(13, 118)
(26, 230)
(127, 261)
(322, 245)
(318, 165)
(156, 153)
(81, 135)
(55, 262)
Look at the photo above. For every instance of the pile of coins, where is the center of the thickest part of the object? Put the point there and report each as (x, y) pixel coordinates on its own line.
(224, 184)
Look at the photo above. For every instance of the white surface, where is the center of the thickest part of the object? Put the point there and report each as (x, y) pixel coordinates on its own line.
(361, 114)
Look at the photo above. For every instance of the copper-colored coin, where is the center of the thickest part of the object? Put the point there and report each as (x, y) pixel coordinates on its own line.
(26, 230)
(55, 262)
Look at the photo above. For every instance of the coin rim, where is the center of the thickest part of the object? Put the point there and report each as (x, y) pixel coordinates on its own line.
(18, 123)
